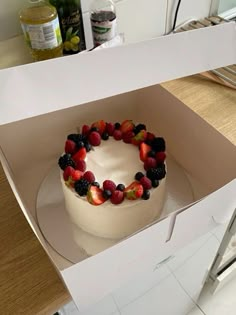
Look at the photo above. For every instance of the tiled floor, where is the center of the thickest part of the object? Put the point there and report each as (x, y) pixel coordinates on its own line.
(173, 288)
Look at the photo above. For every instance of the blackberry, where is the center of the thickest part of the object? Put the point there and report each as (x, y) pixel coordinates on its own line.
(75, 137)
(117, 125)
(65, 161)
(158, 144)
(146, 195)
(106, 193)
(120, 187)
(151, 154)
(81, 187)
(155, 183)
(105, 136)
(156, 173)
(138, 175)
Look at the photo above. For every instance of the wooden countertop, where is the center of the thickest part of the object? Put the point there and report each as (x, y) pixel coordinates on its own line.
(28, 281)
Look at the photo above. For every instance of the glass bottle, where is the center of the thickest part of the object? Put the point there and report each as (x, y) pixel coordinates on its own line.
(71, 23)
(103, 21)
(40, 25)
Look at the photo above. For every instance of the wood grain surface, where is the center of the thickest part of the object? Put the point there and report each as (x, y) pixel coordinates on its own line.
(29, 283)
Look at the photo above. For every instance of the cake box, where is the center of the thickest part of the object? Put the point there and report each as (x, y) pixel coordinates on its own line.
(50, 99)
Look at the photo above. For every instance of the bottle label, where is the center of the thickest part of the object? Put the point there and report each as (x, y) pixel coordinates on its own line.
(72, 31)
(42, 36)
(103, 31)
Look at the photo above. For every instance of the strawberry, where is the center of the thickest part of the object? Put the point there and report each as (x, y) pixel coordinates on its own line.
(139, 137)
(117, 197)
(79, 155)
(76, 175)
(68, 171)
(80, 165)
(150, 163)
(127, 136)
(109, 185)
(134, 191)
(143, 152)
(89, 176)
(94, 138)
(126, 126)
(146, 183)
(95, 196)
(70, 147)
(101, 125)
(117, 134)
(85, 130)
(110, 127)
(160, 157)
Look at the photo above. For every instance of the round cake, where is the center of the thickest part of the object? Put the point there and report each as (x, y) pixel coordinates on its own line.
(113, 178)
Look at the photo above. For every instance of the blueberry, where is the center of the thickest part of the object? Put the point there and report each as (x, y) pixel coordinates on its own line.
(120, 187)
(155, 183)
(105, 136)
(94, 129)
(88, 146)
(80, 144)
(117, 125)
(146, 195)
(152, 154)
(106, 193)
(138, 175)
(96, 184)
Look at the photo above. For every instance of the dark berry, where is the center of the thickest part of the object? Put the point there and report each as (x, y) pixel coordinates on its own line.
(152, 154)
(140, 127)
(158, 144)
(94, 129)
(156, 173)
(155, 183)
(120, 187)
(107, 193)
(88, 146)
(96, 184)
(117, 125)
(146, 195)
(65, 161)
(81, 187)
(148, 142)
(138, 175)
(79, 144)
(76, 137)
(105, 136)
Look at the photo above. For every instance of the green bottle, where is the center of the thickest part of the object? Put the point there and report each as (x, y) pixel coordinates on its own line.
(71, 24)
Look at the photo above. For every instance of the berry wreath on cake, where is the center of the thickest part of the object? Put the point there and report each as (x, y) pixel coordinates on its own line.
(113, 178)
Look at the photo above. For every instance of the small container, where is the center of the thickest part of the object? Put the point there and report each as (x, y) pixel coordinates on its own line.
(103, 21)
(40, 25)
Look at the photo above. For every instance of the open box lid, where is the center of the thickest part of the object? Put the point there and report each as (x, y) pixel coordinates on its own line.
(78, 79)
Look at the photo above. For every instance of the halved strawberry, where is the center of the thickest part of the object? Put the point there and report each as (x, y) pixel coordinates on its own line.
(143, 152)
(79, 155)
(134, 191)
(101, 125)
(126, 126)
(70, 147)
(139, 137)
(71, 175)
(94, 196)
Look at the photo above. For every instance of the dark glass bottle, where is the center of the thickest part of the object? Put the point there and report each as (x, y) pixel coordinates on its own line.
(71, 23)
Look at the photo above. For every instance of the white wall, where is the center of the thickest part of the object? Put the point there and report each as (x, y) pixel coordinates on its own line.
(138, 19)
(226, 5)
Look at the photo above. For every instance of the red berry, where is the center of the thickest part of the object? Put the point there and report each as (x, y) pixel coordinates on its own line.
(80, 165)
(68, 171)
(160, 157)
(79, 155)
(117, 197)
(76, 175)
(95, 196)
(150, 163)
(146, 183)
(109, 185)
(70, 147)
(117, 134)
(127, 137)
(133, 191)
(89, 176)
(101, 125)
(110, 127)
(94, 138)
(85, 130)
(126, 126)
(150, 136)
(143, 152)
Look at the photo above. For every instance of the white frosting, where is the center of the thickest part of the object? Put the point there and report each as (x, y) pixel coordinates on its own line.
(117, 161)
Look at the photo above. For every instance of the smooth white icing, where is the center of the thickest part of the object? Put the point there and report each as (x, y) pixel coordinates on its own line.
(119, 162)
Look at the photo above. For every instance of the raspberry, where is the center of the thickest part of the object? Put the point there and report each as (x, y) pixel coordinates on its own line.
(146, 183)
(94, 138)
(80, 165)
(85, 130)
(89, 176)
(110, 127)
(117, 134)
(150, 163)
(70, 146)
(160, 157)
(117, 197)
(109, 185)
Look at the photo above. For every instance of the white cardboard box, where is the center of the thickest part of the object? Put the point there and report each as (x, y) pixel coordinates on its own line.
(41, 103)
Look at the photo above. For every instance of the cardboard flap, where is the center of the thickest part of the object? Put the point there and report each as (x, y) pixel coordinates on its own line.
(74, 80)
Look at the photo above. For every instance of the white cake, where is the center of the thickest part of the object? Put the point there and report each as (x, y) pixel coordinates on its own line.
(117, 161)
